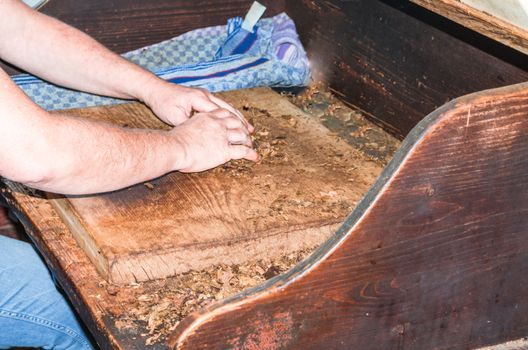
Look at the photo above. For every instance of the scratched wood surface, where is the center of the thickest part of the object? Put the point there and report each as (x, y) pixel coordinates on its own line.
(307, 183)
(487, 24)
(435, 256)
(413, 281)
(102, 305)
(394, 60)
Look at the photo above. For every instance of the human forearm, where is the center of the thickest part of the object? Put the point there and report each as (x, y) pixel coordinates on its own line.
(78, 156)
(65, 56)
(59, 53)
(64, 154)
(70, 155)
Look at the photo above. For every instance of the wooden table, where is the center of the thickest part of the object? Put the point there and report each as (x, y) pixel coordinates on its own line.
(434, 256)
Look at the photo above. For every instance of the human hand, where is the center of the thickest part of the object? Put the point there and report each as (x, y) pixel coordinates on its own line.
(174, 104)
(213, 138)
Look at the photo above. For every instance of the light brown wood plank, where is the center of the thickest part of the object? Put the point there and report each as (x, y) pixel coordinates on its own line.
(307, 183)
(482, 22)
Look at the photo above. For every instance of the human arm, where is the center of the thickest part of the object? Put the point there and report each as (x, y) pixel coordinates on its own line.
(71, 155)
(65, 56)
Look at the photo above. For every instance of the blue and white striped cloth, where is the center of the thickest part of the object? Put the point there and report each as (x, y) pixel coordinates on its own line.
(217, 58)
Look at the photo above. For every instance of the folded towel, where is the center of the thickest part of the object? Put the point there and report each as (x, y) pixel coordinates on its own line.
(217, 58)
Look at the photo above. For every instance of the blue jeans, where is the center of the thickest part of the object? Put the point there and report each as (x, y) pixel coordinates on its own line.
(33, 313)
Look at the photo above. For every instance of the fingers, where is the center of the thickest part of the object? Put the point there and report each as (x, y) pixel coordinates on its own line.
(233, 110)
(239, 137)
(223, 113)
(234, 123)
(207, 102)
(243, 152)
(228, 120)
(204, 104)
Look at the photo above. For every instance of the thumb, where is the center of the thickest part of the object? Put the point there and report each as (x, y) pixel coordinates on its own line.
(173, 116)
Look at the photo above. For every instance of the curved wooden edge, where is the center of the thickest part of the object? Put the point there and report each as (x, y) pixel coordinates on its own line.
(488, 25)
(190, 332)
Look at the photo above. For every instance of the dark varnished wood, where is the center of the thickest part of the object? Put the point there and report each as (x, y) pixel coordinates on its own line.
(436, 256)
(391, 62)
(124, 25)
(435, 287)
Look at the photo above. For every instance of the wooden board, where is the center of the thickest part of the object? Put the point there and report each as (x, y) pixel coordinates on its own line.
(102, 306)
(485, 23)
(512, 11)
(307, 183)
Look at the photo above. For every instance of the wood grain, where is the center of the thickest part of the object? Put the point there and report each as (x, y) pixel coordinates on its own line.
(482, 22)
(99, 307)
(6, 226)
(4, 220)
(290, 201)
(390, 59)
(435, 256)
(124, 25)
(395, 61)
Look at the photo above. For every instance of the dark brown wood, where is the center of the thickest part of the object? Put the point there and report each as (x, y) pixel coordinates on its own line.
(435, 257)
(392, 63)
(293, 199)
(6, 226)
(4, 220)
(124, 25)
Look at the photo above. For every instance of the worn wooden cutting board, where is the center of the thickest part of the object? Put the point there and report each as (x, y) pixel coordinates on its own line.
(306, 184)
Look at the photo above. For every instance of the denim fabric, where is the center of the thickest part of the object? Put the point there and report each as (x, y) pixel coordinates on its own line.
(33, 313)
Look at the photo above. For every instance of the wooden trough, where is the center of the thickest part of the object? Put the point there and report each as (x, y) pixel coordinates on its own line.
(427, 251)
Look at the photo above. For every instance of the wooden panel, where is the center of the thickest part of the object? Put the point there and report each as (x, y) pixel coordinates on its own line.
(307, 183)
(435, 257)
(4, 220)
(124, 25)
(396, 61)
(484, 23)
(6, 226)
